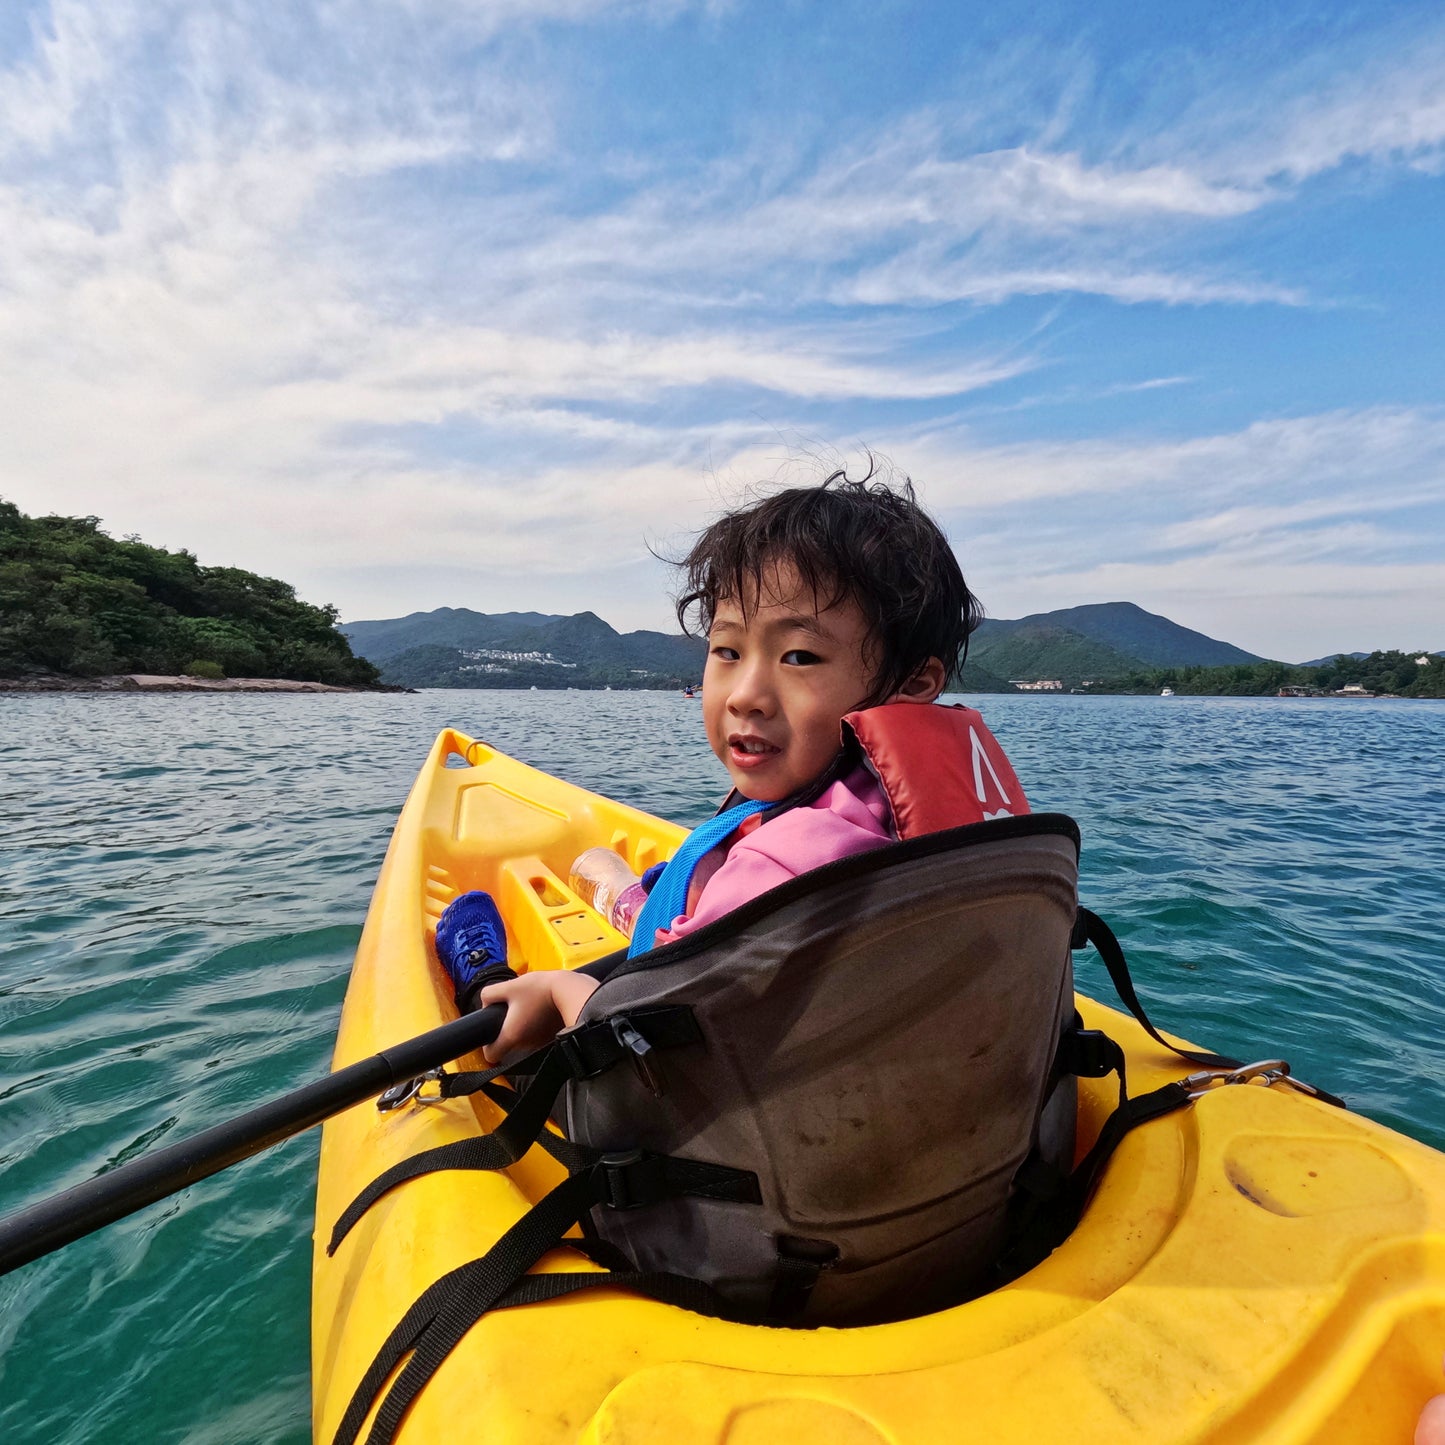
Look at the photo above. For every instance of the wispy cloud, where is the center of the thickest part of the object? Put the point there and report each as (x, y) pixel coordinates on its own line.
(1343, 505)
(919, 279)
(1385, 104)
(364, 272)
(1288, 457)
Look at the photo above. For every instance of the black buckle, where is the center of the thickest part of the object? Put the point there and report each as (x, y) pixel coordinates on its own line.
(633, 1179)
(1088, 1054)
(633, 1042)
(569, 1046)
(1080, 935)
(589, 1049)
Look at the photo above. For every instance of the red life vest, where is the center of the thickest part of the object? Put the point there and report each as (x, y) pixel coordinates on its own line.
(940, 767)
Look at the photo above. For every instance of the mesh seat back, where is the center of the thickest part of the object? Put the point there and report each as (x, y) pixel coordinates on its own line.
(877, 1046)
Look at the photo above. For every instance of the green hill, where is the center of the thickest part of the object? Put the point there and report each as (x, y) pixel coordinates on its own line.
(444, 627)
(74, 600)
(1033, 649)
(977, 678)
(433, 666)
(455, 647)
(1129, 631)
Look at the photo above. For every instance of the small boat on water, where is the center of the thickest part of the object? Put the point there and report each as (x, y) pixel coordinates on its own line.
(1166, 692)
(1259, 1268)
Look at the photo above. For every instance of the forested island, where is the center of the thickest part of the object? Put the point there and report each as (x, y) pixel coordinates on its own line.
(1383, 674)
(77, 603)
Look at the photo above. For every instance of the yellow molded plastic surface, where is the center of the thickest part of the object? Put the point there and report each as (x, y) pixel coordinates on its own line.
(1257, 1268)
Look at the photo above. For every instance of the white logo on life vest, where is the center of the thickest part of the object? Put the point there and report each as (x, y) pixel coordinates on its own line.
(980, 754)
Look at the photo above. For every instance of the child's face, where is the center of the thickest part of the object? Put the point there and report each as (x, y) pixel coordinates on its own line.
(778, 683)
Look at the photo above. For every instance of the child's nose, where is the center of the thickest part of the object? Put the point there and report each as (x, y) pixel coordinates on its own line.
(751, 691)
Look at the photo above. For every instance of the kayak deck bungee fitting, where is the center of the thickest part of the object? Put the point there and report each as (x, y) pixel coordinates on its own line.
(1257, 1267)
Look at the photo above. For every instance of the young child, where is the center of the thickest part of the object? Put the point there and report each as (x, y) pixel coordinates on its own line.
(817, 603)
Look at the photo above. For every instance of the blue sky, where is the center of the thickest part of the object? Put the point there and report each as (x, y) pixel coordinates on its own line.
(465, 302)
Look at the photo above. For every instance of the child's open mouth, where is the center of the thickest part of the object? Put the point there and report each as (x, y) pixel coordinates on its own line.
(750, 752)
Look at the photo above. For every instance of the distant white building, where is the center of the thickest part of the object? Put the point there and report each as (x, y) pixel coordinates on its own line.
(1423, 660)
(487, 655)
(1053, 685)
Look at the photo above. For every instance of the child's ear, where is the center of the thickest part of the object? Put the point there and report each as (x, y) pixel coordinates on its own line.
(924, 685)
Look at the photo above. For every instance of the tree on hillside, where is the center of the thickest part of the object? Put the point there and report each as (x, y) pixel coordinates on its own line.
(1385, 672)
(75, 600)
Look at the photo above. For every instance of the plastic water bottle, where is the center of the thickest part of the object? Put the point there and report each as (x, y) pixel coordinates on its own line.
(600, 878)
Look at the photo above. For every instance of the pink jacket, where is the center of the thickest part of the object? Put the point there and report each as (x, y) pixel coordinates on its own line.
(851, 816)
(939, 767)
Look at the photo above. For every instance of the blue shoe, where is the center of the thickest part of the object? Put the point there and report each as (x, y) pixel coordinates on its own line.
(472, 946)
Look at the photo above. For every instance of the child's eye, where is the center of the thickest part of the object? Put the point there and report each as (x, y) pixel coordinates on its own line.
(800, 657)
(724, 654)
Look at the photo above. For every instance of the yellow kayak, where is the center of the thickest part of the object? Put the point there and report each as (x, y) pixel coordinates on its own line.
(1258, 1267)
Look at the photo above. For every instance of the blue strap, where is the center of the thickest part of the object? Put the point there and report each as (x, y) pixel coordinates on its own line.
(669, 894)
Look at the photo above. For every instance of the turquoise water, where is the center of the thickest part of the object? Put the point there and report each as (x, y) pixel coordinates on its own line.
(183, 880)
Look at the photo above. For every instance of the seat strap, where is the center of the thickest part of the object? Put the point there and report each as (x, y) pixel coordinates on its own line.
(431, 1328)
(581, 1052)
(1127, 1117)
(668, 1289)
(799, 1267)
(1050, 1203)
(525, 1121)
(1090, 928)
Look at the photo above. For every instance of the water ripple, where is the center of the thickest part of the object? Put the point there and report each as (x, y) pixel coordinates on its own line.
(183, 880)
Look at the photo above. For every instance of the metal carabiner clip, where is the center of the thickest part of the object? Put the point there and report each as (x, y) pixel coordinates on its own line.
(1266, 1072)
(409, 1091)
(1269, 1071)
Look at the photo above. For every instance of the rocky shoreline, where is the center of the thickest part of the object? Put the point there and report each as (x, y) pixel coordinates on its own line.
(152, 682)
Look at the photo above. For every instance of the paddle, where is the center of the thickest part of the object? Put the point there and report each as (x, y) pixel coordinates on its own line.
(41, 1228)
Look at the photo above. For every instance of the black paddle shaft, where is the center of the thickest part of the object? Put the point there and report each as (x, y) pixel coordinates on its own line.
(40, 1228)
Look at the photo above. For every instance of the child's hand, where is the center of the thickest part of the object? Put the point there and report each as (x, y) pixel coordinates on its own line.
(538, 1005)
(1431, 1429)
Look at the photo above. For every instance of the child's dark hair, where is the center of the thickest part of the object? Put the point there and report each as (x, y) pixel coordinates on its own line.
(865, 541)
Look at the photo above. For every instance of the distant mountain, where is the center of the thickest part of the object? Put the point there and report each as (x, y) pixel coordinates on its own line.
(1130, 632)
(1032, 649)
(454, 647)
(1333, 657)
(976, 678)
(446, 627)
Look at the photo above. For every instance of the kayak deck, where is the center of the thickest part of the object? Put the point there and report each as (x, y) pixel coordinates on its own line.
(1259, 1267)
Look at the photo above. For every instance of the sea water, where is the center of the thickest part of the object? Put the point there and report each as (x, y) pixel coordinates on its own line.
(183, 881)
